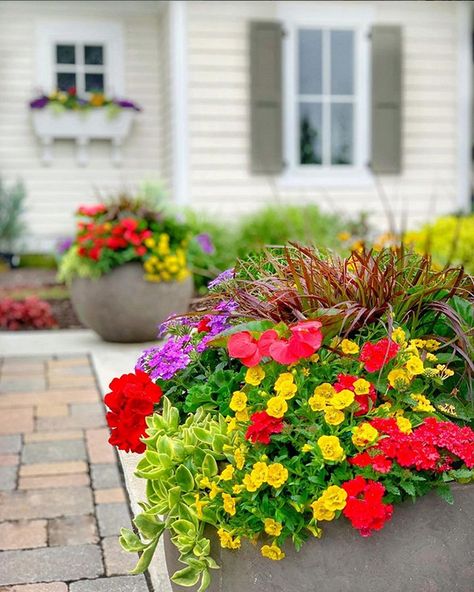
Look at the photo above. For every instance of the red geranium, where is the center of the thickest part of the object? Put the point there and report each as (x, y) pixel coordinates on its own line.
(131, 399)
(203, 325)
(364, 507)
(376, 355)
(91, 210)
(262, 427)
(379, 462)
(244, 347)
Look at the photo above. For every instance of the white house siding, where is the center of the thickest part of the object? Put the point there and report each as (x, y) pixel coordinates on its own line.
(54, 192)
(219, 113)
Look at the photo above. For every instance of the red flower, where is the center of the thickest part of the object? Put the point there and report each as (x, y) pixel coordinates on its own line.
(364, 507)
(376, 355)
(262, 427)
(244, 347)
(346, 381)
(91, 210)
(131, 399)
(379, 462)
(203, 325)
(140, 251)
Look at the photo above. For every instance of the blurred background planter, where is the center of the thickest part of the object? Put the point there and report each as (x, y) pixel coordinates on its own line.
(425, 547)
(122, 306)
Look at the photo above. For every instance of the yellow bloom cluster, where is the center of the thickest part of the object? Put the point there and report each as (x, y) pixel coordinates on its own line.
(228, 541)
(229, 503)
(326, 506)
(274, 474)
(331, 448)
(255, 375)
(164, 265)
(364, 435)
(325, 398)
(285, 385)
(349, 347)
(422, 403)
(273, 552)
(272, 527)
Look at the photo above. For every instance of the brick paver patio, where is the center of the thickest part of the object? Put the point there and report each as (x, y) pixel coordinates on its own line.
(62, 501)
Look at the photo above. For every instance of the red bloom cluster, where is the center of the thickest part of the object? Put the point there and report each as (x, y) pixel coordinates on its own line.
(378, 461)
(306, 338)
(93, 237)
(131, 399)
(364, 507)
(30, 313)
(376, 355)
(346, 381)
(91, 211)
(434, 445)
(262, 426)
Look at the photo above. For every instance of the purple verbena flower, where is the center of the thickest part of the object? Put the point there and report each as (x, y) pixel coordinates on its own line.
(204, 240)
(164, 361)
(225, 276)
(125, 104)
(64, 244)
(39, 102)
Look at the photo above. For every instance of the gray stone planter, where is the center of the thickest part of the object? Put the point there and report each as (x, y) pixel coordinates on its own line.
(121, 306)
(426, 547)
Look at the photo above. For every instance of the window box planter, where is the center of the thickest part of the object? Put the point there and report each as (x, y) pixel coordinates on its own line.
(82, 127)
(121, 306)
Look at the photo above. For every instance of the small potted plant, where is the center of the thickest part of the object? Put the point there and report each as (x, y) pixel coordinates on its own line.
(311, 395)
(11, 224)
(127, 268)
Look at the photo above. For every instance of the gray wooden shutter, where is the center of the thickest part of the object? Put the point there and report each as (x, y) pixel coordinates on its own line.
(266, 150)
(386, 99)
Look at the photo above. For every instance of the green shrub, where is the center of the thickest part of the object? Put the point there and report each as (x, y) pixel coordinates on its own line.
(11, 211)
(38, 260)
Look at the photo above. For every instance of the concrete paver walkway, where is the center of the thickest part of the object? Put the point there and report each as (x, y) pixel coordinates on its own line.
(62, 500)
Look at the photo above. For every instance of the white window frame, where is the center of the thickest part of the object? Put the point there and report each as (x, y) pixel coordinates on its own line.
(80, 32)
(333, 16)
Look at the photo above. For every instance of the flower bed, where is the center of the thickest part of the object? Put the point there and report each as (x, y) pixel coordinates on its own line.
(308, 389)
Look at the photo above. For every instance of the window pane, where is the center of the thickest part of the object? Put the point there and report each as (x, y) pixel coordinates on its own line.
(65, 80)
(94, 82)
(342, 145)
(310, 62)
(310, 133)
(342, 62)
(93, 55)
(65, 54)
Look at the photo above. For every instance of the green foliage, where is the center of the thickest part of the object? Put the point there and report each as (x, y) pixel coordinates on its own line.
(72, 265)
(12, 202)
(38, 260)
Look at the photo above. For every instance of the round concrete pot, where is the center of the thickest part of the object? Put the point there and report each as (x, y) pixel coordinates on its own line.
(426, 547)
(122, 306)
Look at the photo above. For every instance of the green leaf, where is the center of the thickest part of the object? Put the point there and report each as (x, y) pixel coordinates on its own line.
(173, 496)
(149, 526)
(408, 487)
(184, 478)
(209, 466)
(186, 577)
(218, 443)
(205, 580)
(203, 435)
(184, 527)
(444, 491)
(145, 558)
(130, 541)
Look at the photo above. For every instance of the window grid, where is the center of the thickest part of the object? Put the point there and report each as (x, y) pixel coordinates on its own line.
(80, 68)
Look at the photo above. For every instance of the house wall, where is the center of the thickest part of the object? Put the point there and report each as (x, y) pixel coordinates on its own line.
(54, 192)
(219, 113)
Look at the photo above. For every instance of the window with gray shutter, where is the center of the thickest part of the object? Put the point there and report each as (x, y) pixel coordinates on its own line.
(266, 148)
(386, 99)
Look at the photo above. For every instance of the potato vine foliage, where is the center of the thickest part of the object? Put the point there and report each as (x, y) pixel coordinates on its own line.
(308, 388)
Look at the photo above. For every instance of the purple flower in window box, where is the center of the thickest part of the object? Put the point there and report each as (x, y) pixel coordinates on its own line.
(205, 242)
(124, 104)
(39, 102)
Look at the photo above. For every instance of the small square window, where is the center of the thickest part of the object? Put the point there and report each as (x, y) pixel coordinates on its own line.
(93, 55)
(65, 80)
(94, 83)
(65, 54)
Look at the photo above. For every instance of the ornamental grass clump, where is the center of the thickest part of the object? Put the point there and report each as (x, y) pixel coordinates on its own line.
(122, 230)
(307, 389)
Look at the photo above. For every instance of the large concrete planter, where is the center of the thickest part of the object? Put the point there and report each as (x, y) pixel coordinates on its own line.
(122, 307)
(426, 547)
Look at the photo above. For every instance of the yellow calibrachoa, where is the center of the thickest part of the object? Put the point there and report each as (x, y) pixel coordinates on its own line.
(334, 498)
(227, 541)
(272, 527)
(214, 491)
(321, 512)
(349, 347)
(306, 448)
(250, 484)
(399, 336)
(333, 416)
(277, 406)
(423, 403)
(317, 403)
(239, 456)
(404, 424)
(277, 475)
(342, 399)
(229, 503)
(414, 366)
(364, 434)
(231, 424)
(272, 552)
(255, 375)
(227, 473)
(238, 401)
(259, 472)
(325, 390)
(331, 448)
(242, 415)
(361, 386)
(285, 386)
(398, 378)
(199, 505)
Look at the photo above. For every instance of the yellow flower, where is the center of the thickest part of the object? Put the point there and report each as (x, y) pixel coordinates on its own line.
(199, 506)
(231, 424)
(97, 99)
(272, 552)
(404, 425)
(227, 473)
(277, 475)
(306, 448)
(227, 541)
(277, 406)
(255, 375)
(349, 347)
(414, 366)
(214, 491)
(432, 345)
(418, 343)
(342, 399)
(423, 403)
(305, 372)
(361, 387)
(333, 416)
(239, 457)
(272, 527)
(242, 415)
(250, 484)
(204, 482)
(399, 336)
(321, 512)
(150, 242)
(331, 448)
(431, 357)
(325, 390)
(334, 498)
(238, 401)
(237, 489)
(398, 378)
(364, 434)
(285, 386)
(314, 358)
(259, 472)
(229, 503)
(317, 403)
(344, 236)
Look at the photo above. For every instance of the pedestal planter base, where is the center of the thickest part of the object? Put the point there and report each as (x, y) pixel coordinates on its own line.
(122, 307)
(426, 547)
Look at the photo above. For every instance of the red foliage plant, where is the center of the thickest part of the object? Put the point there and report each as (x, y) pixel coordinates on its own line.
(30, 313)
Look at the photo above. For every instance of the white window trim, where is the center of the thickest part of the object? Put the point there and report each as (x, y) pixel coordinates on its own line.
(295, 15)
(106, 33)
